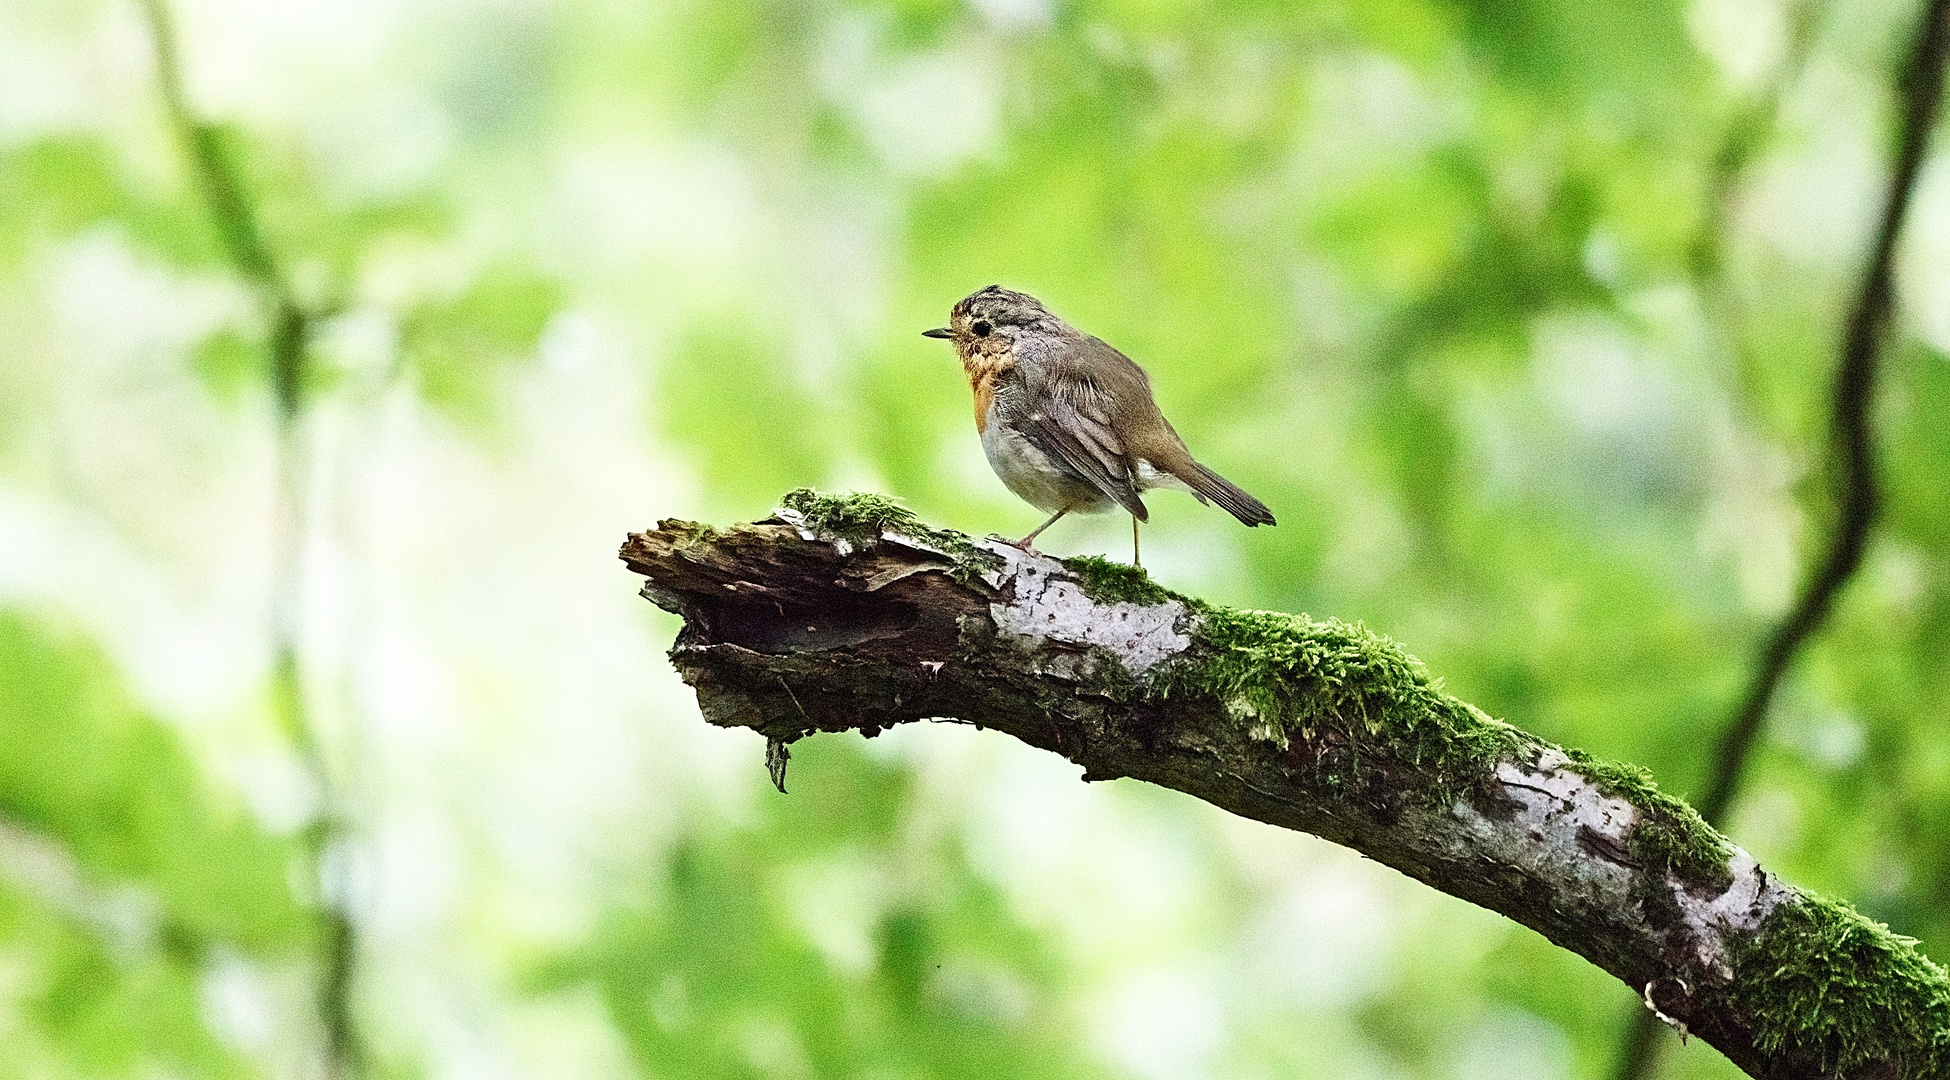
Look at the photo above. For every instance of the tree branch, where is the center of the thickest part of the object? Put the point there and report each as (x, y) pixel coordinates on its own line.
(847, 613)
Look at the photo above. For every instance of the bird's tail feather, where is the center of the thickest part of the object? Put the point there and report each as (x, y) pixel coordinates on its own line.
(1248, 510)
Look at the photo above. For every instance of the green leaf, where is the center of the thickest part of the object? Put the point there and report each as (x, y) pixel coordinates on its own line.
(462, 348)
(228, 362)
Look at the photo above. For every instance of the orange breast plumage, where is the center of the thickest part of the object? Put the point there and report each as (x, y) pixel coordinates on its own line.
(983, 375)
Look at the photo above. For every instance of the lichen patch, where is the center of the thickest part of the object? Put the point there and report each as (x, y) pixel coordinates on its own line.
(1557, 822)
(1568, 808)
(1742, 908)
(1049, 604)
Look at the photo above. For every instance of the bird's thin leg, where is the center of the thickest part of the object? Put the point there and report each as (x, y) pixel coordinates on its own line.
(1135, 563)
(1025, 541)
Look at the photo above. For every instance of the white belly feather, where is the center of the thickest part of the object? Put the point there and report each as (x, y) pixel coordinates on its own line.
(1047, 486)
(1149, 476)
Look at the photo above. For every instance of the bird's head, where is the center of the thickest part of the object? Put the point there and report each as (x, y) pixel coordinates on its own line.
(988, 321)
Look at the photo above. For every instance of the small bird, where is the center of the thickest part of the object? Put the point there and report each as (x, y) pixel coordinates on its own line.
(1067, 421)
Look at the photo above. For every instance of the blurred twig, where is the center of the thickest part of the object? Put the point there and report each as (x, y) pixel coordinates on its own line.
(290, 326)
(1857, 496)
(1748, 133)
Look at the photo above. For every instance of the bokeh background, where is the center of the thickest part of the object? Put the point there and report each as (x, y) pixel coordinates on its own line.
(1520, 313)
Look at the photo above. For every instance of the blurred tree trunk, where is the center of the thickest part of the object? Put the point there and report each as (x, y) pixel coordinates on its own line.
(846, 613)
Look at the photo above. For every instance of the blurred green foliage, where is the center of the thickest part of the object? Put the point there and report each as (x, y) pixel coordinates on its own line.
(460, 346)
(121, 794)
(711, 973)
(1420, 274)
(728, 396)
(130, 873)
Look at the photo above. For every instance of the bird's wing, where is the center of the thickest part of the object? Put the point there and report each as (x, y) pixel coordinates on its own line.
(1146, 436)
(1071, 421)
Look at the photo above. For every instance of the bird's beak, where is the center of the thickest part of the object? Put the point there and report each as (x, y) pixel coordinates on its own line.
(941, 332)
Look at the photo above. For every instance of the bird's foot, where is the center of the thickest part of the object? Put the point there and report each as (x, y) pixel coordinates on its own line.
(1021, 545)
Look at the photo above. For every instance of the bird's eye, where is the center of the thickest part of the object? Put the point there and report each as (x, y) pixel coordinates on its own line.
(981, 328)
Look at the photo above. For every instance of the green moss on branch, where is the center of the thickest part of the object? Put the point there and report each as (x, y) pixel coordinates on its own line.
(1285, 675)
(859, 517)
(1109, 582)
(1670, 835)
(1825, 983)
(853, 515)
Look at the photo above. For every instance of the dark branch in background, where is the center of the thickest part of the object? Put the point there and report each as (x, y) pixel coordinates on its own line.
(1858, 499)
(1851, 447)
(1857, 496)
(289, 328)
(848, 614)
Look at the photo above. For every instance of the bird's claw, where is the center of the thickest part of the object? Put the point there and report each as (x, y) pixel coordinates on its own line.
(1021, 545)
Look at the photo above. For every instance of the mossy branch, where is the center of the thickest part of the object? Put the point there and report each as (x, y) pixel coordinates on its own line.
(848, 613)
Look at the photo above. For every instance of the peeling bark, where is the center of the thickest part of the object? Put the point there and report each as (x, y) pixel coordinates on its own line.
(815, 621)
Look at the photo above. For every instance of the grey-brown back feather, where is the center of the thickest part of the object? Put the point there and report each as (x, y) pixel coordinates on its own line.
(1248, 510)
(1072, 424)
(1091, 408)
